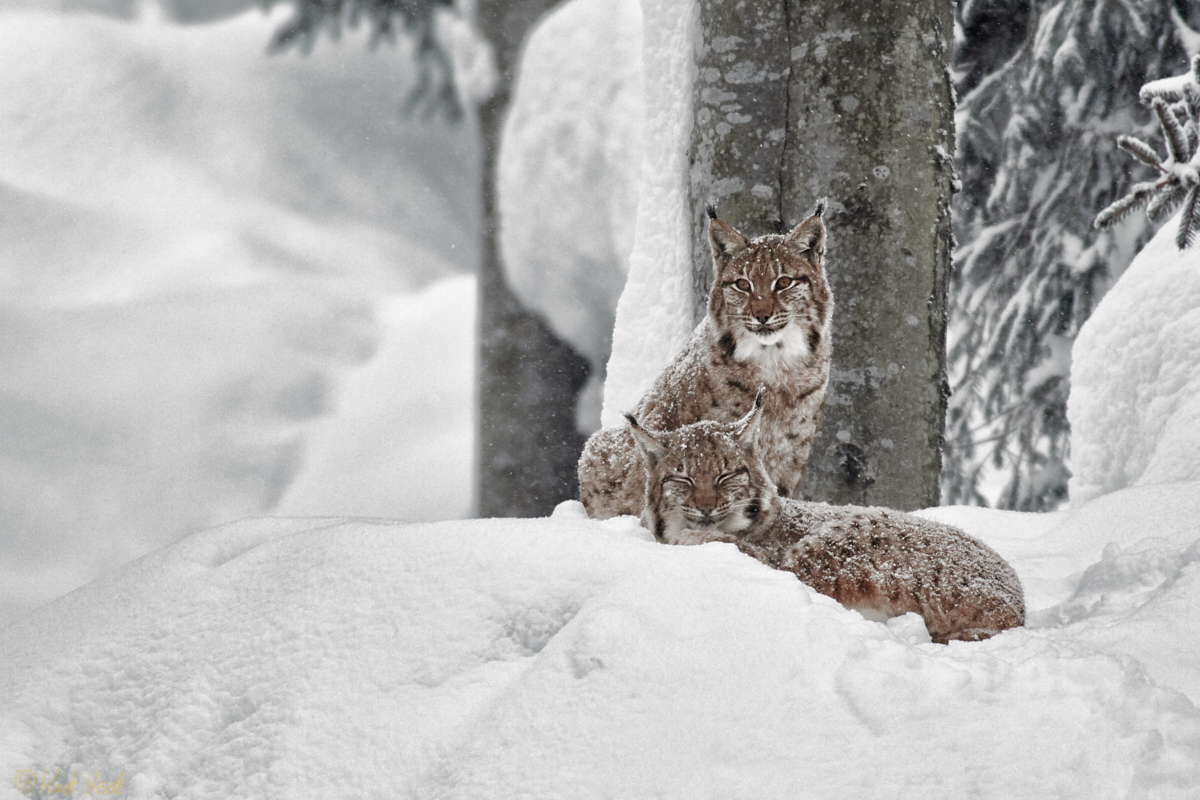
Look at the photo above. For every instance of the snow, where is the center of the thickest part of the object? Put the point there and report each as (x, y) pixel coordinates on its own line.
(213, 261)
(567, 175)
(201, 328)
(653, 318)
(1134, 406)
(565, 657)
(400, 454)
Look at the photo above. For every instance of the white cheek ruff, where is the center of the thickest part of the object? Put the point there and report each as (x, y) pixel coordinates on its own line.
(779, 350)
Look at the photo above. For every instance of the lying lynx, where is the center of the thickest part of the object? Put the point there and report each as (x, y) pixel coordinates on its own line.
(767, 325)
(706, 483)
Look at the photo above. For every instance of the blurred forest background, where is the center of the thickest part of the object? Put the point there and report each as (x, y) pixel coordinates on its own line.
(237, 283)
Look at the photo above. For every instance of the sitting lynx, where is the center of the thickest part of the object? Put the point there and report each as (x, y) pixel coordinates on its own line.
(767, 325)
(707, 484)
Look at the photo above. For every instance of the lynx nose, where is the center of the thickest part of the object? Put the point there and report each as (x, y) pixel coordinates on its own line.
(704, 499)
(760, 309)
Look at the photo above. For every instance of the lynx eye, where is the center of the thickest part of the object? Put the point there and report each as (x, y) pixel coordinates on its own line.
(738, 478)
(742, 284)
(787, 281)
(677, 486)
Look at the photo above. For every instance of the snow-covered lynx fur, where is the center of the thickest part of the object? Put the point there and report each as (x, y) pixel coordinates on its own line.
(706, 483)
(767, 325)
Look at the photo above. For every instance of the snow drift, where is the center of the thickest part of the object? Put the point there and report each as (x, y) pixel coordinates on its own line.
(199, 246)
(1135, 376)
(564, 658)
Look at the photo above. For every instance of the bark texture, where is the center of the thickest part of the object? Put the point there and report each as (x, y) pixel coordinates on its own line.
(797, 100)
(529, 380)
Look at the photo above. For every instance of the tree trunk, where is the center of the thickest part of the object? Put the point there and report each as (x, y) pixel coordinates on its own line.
(801, 99)
(528, 379)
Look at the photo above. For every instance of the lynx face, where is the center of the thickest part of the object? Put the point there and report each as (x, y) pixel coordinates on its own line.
(703, 479)
(771, 301)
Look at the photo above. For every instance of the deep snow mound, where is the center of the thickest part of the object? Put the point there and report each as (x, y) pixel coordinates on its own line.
(1134, 407)
(556, 657)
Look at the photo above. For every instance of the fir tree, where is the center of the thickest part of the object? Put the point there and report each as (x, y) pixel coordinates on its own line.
(1176, 105)
(1038, 160)
(435, 75)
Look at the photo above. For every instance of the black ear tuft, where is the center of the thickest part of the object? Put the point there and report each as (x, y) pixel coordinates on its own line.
(726, 243)
(820, 212)
(745, 430)
(646, 441)
(711, 208)
(808, 238)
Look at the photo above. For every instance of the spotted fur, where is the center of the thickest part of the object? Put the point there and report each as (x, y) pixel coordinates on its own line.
(706, 483)
(768, 321)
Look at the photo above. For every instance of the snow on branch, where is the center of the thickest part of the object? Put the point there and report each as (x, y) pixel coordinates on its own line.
(1176, 104)
(435, 89)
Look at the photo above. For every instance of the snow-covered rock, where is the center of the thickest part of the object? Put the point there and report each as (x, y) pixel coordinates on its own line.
(567, 175)
(561, 658)
(1134, 406)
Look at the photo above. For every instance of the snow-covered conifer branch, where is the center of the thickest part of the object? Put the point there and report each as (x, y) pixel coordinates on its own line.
(1176, 104)
(1139, 150)
(1138, 196)
(1189, 220)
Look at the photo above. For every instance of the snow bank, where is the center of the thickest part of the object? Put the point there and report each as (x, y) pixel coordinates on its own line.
(567, 175)
(199, 243)
(401, 441)
(654, 313)
(565, 657)
(1134, 407)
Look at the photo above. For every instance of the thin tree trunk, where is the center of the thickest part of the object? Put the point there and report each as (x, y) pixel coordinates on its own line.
(528, 379)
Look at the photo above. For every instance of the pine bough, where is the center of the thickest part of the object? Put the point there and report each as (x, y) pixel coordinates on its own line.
(1176, 104)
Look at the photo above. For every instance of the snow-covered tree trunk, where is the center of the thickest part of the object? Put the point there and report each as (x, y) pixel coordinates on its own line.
(739, 108)
(871, 124)
(529, 379)
(795, 101)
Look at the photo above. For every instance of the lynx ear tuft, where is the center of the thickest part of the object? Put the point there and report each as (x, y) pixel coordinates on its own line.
(820, 212)
(808, 238)
(726, 243)
(746, 429)
(646, 442)
(711, 208)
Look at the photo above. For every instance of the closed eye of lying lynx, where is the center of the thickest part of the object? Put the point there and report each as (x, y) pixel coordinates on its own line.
(767, 325)
(706, 483)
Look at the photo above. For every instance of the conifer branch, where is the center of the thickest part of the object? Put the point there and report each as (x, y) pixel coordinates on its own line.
(1176, 105)
(435, 86)
(1189, 220)
(1140, 150)
(1164, 203)
(1177, 149)
(1138, 196)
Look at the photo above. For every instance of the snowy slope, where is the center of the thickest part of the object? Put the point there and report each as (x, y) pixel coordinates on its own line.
(1135, 376)
(564, 657)
(199, 245)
